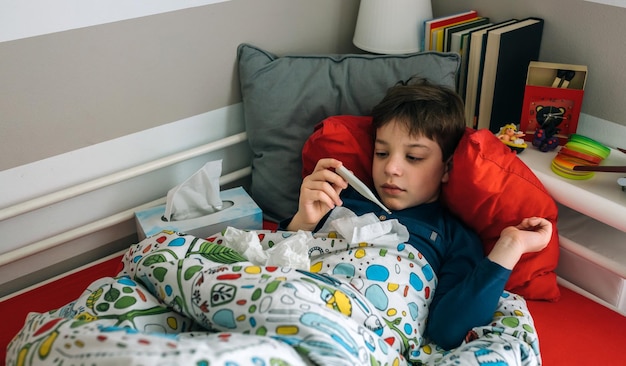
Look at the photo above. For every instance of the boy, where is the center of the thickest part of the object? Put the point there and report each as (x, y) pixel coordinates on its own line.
(418, 125)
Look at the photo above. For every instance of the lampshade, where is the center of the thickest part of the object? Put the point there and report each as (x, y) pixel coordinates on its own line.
(391, 26)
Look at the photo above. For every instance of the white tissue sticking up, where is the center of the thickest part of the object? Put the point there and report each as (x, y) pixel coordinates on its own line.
(197, 196)
(246, 243)
(292, 252)
(365, 229)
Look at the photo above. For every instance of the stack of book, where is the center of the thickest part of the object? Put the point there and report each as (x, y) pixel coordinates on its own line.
(494, 63)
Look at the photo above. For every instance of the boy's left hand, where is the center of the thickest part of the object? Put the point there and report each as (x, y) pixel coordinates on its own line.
(531, 235)
(534, 233)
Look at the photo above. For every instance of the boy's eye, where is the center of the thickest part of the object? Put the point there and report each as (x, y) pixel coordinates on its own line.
(414, 158)
(380, 154)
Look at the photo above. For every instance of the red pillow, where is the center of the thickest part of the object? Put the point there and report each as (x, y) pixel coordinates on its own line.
(346, 138)
(489, 189)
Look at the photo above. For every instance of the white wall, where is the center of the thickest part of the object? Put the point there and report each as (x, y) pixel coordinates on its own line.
(28, 18)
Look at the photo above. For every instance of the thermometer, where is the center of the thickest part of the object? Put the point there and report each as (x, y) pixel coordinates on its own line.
(359, 186)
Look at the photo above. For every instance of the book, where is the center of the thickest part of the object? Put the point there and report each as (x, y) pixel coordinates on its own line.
(453, 33)
(438, 34)
(456, 35)
(508, 52)
(435, 35)
(464, 52)
(443, 21)
(474, 68)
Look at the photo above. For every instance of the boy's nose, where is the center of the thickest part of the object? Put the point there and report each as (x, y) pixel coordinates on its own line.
(393, 167)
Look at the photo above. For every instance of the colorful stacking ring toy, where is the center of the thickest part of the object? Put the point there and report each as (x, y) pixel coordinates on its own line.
(564, 166)
(569, 151)
(579, 150)
(593, 146)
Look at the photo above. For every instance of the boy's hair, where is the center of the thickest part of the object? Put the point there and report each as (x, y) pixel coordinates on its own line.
(433, 111)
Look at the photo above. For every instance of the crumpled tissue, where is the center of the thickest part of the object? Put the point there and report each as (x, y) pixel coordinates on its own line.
(292, 252)
(197, 196)
(366, 228)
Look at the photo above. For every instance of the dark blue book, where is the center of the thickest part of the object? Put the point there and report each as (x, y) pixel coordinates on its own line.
(508, 52)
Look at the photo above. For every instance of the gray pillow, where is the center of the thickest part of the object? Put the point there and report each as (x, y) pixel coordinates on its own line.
(285, 97)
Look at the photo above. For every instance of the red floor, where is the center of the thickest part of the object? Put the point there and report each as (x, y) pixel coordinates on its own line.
(579, 331)
(48, 297)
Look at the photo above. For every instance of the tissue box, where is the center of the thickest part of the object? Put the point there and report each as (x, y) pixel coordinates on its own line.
(242, 214)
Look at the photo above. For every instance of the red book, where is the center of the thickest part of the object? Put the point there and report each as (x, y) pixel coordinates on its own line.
(444, 21)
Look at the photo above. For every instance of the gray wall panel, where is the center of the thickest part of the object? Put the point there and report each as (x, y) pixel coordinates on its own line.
(63, 91)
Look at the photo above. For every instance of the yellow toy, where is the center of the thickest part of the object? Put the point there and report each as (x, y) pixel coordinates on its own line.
(511, 137)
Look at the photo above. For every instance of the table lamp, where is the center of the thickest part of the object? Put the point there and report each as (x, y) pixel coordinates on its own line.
(391, 26)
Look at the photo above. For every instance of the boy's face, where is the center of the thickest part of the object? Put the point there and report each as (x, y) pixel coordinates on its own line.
(407, 171)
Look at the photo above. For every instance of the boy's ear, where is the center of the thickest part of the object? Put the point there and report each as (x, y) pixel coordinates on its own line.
(446, 170)
(448, 167)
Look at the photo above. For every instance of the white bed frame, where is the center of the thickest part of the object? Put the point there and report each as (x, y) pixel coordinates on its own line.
(66, 211)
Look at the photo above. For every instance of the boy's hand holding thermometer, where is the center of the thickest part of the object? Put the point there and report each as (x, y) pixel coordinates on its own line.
(359, 186)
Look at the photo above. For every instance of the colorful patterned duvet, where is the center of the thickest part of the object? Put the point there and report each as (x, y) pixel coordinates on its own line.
(181, 300)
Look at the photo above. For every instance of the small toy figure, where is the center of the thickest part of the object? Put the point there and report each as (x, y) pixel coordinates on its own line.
(509, 133)
(511, 137)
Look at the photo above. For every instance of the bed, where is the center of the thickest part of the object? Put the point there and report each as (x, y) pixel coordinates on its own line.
(179, 299)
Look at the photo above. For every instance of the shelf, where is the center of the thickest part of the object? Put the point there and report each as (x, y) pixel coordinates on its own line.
(592, 228)
(599, 197)
(593, 257)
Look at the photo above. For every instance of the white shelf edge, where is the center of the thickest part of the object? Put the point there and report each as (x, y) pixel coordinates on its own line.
(599, 197)
(598, 259)
(565, 283)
